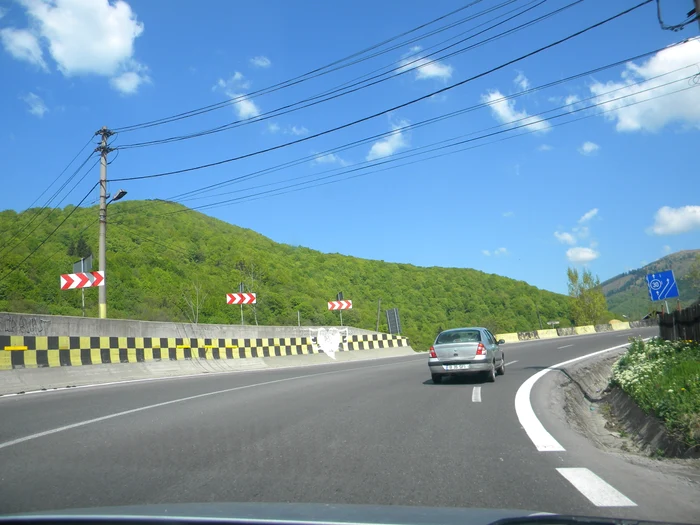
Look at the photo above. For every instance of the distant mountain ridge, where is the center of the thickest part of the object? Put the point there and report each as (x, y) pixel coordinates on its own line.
(627, 293)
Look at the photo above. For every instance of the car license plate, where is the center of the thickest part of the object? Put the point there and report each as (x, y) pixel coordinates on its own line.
(456, 367)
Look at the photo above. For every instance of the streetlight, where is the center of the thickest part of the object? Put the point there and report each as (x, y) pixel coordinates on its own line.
(103, 240)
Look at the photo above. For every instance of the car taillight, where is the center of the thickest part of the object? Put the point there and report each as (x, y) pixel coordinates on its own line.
(432, 352)
(480, 349)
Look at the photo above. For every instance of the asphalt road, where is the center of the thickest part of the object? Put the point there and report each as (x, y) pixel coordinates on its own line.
(370, 432)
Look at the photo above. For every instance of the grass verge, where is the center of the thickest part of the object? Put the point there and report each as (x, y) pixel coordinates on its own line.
(663, 378)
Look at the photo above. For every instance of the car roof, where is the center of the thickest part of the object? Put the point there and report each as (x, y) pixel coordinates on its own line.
(464, 328)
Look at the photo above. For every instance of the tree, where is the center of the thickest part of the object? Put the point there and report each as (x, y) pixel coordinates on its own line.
(82, 249)
(694, 274)
(588, 304)
(194, 302)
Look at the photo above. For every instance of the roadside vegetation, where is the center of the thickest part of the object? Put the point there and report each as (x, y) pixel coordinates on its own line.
(663, 378)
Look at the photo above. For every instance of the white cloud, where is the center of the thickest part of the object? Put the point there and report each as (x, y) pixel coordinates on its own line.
(128, 83)
(297, 130)
(84, 37)
(672, 221)
(3, 12)
(487, 253)
(588, 215)
(653, 115)
(588, 148)
(260, 61)
(508, 213)
(273, 127)
(571, 99)
(565, 237)
(23, 45)
(330, 158)
(36, 104)
(521, 81)
(545, 147)
(505, 112)
(390, 144)
(666, 249)
(500, 251)
(581, 255)
(425, 68)
(244, 107)
(581, 231)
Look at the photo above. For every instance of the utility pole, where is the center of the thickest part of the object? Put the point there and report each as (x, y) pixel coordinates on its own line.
(538, 315)
(104, 150)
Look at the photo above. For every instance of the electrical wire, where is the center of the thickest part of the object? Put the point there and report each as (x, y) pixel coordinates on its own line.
(188, 195)
(317, 71)
(692, 17)
(401, 68)
(400, 106)
(525, 122)
(49, 235)
(8, 246)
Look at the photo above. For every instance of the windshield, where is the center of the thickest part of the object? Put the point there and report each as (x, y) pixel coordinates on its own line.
(436, 255)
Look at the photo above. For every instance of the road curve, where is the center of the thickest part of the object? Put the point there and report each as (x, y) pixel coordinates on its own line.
(372, 432)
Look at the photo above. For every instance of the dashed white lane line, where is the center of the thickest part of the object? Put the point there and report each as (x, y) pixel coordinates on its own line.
(476, 394)
(600, 493)
(542, 439)
(511, 362)
(565, 346)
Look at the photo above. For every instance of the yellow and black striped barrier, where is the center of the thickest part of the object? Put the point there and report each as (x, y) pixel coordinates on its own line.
(55, 351)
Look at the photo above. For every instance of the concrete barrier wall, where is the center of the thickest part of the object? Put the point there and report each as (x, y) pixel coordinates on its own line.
(508, 338)
(603, 328)
(589, 329)
(566, 331)
(527, 336)
(19, 352)
(620, 326)
(59, 325)
(547, 334)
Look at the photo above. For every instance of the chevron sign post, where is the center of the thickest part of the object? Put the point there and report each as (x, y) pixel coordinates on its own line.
(339, 305)
(241, 298)
(72, 281)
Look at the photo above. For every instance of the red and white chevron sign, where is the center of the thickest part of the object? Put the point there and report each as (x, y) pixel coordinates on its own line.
(339, 305)
(71, 281)
(241, 298)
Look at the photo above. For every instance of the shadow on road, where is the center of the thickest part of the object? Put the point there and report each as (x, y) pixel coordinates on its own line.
(564, 371)
(471, 379)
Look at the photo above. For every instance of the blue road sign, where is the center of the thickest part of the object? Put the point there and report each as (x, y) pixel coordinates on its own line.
(662, 285)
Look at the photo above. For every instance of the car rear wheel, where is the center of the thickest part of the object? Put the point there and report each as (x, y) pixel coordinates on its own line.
(502, 369)
(437, 378)
(491, 374)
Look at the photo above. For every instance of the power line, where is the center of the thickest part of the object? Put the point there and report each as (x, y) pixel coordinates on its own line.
(45, 218)
(691, 17)
(49, 235)
(315, 72)
(526, 122)
(360, 83)
(400, 106)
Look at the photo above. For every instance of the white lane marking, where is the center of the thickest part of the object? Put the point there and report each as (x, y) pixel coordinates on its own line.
(543, 440)
(600, 493)
(565, 346)
(186, 376)
(179, 400)
(476, 394)
(510, 362)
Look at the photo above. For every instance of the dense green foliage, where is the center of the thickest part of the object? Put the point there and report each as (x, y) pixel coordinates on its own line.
(156, 259)
(588, 304)
(627, 293)
(663, 378)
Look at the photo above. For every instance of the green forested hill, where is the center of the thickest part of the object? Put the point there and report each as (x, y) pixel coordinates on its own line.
(155, 259)
(627, 293)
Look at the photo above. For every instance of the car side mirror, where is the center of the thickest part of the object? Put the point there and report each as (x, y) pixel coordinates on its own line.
(501, 341)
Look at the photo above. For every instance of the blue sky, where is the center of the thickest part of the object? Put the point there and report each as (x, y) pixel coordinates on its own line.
(611, 191)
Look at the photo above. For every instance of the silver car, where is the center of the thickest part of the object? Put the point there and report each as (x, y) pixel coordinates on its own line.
(460, 351)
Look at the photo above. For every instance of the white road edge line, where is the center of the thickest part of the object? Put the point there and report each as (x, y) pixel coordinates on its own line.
(565, 346)
(174, 401)
(543, 440)
(476, 394)
(598, 492)
(510, 362)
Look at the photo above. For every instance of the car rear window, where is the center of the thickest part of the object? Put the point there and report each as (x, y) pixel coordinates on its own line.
(458, 336)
